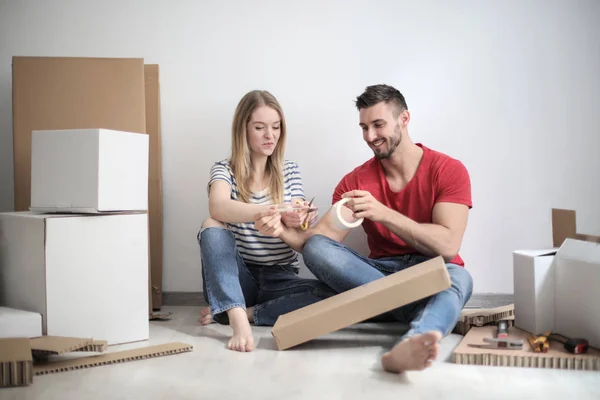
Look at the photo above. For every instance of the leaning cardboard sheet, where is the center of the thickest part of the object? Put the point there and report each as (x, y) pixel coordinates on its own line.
(23, 358)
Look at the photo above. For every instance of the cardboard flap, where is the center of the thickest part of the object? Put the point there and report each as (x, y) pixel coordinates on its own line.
(57, 344)
(574, 249)
(564, 225)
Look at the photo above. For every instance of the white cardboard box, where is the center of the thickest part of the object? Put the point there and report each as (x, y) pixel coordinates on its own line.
(87, 275)
(89, 171)
(534, 290)
(19, 323)
(558, 290)
(577, 293)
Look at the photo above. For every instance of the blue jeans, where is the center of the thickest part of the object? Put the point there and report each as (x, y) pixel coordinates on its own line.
(229, 281)
(343, 269)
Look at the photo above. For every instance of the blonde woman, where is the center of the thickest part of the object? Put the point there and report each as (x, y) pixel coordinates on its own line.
(249, 277)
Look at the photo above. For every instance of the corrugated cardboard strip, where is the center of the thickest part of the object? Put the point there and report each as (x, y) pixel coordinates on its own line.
(112, 358)
(45, 345)
(484, 316)
(556, 358)
(16, 362)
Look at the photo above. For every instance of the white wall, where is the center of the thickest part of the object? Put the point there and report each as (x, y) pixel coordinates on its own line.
(511, 88)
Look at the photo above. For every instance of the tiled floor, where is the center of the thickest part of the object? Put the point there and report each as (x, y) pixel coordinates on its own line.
(342, 365)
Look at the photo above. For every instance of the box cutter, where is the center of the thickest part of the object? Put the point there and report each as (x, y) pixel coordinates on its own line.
(500, 344)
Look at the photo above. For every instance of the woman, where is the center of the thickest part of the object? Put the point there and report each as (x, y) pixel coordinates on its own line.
(249, 277)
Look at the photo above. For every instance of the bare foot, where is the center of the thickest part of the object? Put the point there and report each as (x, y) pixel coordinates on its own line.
(206, 316)
(413, 354)
(242, 339)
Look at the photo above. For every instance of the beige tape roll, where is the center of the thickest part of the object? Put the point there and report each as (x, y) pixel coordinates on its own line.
(340, 222)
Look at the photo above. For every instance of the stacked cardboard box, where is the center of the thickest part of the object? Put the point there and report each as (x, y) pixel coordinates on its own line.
(80, 256)
(123, 94)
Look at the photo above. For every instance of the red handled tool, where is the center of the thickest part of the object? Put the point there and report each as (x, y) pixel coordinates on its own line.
(575, 346)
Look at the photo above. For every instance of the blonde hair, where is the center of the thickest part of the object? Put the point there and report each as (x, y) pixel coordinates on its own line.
(240, 151)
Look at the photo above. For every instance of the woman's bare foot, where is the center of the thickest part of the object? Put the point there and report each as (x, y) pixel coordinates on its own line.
(206, 316)
(412, 354)
(242, 339)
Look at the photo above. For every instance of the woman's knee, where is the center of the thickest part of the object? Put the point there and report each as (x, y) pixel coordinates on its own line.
(212, 223)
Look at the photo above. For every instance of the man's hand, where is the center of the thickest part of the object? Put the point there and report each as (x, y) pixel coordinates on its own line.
(268, 222)
(364, 205)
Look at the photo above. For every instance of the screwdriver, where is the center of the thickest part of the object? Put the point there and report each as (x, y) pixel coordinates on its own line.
(574, 346)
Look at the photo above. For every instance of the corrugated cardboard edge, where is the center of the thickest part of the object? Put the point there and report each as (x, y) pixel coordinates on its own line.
(112, 358)
(483, 316)
(16, 362)
(57, 344)
(97, 346)
(557, 358)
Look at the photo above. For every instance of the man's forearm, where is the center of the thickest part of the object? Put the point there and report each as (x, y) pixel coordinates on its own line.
(295, 238)
(429, 239)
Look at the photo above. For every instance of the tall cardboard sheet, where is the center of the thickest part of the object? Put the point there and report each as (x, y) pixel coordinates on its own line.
(155, 202)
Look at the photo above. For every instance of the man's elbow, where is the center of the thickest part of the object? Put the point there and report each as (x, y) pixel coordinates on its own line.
(450, 251)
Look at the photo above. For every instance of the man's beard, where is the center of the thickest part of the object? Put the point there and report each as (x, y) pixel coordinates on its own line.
(392, 144)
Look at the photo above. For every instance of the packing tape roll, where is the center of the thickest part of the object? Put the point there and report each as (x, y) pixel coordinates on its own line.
(341, 223)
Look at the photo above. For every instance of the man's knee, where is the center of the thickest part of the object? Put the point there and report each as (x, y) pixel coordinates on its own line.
(212, 223)
(462, 281)
(316, 247)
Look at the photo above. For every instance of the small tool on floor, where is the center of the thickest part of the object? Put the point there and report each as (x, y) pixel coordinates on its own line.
(574, 346)
(502, 331)
(500, 344)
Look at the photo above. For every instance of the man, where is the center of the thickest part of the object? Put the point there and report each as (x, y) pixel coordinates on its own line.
(415, 203)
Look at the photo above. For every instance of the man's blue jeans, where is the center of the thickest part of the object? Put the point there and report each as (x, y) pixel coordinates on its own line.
(343, 269)
(230, 282)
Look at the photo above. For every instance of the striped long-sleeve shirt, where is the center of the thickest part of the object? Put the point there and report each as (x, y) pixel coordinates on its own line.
(254, 247)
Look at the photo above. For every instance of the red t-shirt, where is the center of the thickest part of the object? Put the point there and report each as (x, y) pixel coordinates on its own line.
(439, 178)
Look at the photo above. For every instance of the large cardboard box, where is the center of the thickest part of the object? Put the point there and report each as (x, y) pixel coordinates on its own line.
(361, 303)
(87, 275)
(557, 289)
(155, 199)
(89, 171)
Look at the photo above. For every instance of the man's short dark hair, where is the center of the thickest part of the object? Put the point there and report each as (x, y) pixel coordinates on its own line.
(377, 93)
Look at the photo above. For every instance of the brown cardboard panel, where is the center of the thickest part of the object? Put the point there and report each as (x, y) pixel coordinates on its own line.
(564, 226)
(361, 303)
(16, 362)
(483, 316)
(155, 199)
(112, 358)
(71, 93)
(557, 357)
(57, 344)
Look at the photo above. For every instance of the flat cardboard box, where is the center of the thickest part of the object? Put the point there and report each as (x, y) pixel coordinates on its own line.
(533, 280)
(557, 357)
(87, 275)
(155, 196)
(16, 362)
(89, 171)
(361, 303)
(19, 323)
(51, 93)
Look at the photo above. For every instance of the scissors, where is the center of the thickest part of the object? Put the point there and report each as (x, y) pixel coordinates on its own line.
(304, 225)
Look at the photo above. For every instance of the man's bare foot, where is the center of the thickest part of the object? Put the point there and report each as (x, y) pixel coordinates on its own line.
(206, 316)
(242, 339)
(412, 354)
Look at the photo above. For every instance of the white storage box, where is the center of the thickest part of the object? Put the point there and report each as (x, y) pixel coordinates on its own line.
(89, 171)
(87, 275)
(577, 293)
(19, 324)
(534, 290)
